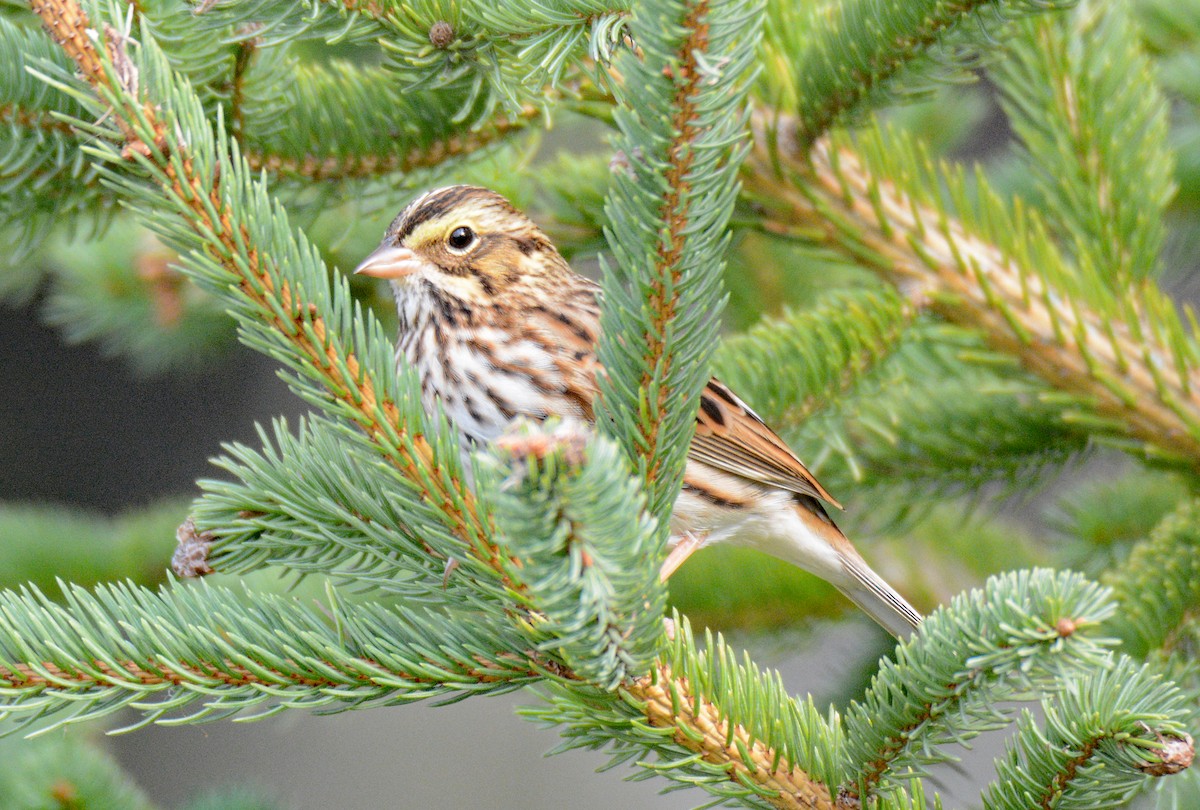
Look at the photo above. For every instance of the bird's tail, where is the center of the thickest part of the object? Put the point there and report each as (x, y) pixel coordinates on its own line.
(878, 599)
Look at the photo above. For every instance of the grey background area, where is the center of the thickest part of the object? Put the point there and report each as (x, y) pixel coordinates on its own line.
(78, 429)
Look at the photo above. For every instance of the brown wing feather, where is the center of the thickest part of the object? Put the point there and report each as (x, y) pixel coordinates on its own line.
(729, 435)
(732, 438)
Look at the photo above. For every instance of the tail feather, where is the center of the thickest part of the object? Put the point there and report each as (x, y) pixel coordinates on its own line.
(878, 599)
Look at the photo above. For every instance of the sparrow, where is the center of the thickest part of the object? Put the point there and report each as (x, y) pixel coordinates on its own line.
(498, 327)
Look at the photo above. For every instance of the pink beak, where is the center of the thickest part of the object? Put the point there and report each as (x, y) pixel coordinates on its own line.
(390, 261)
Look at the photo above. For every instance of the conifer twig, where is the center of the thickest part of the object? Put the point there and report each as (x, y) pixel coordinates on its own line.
(674, 214)
(1124, 367)
(358, 166)
(701, 727)
(682, 118)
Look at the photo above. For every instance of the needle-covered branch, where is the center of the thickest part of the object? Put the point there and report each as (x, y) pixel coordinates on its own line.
(1103, 736)
(203, 653)
(1081, 96)
(829, 60)
(302, 134)
(1020, 633)
(1158, 586)
(703, 718)
(496, 55)
(504, 54)
(682, 119)
(324, 501)
(1128, 367)
(576, 540)
(43, 175)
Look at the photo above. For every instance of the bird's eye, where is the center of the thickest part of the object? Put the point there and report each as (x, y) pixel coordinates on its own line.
(461, 238)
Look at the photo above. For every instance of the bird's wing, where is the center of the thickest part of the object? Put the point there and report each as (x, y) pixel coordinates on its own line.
(729, 435)
(732, 438)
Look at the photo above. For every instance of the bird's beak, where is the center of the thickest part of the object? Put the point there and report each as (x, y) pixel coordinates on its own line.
(390, 261)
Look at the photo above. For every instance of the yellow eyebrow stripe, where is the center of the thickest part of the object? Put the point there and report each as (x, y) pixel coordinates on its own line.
(427, 232)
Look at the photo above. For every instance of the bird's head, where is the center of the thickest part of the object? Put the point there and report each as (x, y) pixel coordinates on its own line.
(465, 242)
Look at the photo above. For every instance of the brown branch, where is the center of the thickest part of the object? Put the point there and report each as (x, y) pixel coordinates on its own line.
(68, 25)
(1175, 756)
(1066, 773)
(14, 114)
(668, 702)
(1121, 366)
(673, 212)
(151, 672)
(343, 167)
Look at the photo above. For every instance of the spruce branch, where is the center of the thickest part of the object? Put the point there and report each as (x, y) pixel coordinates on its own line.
(504, 55)
(166, 651)
(43, 175)
(1018, 634)
(1158, 586)
(1103, 735)
(682, 121)
(235, 242)
(323, 500)
(571, 523)
(319, 168)
(702, 728)
(1082, 97)
(1128, 365)
(495, 55)
(835, 57)
(399, 131)
(710, 720)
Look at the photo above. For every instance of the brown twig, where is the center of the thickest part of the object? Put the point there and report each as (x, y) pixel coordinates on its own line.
(674, 214)
(668, 702)
(343, 167)
(152, 672)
